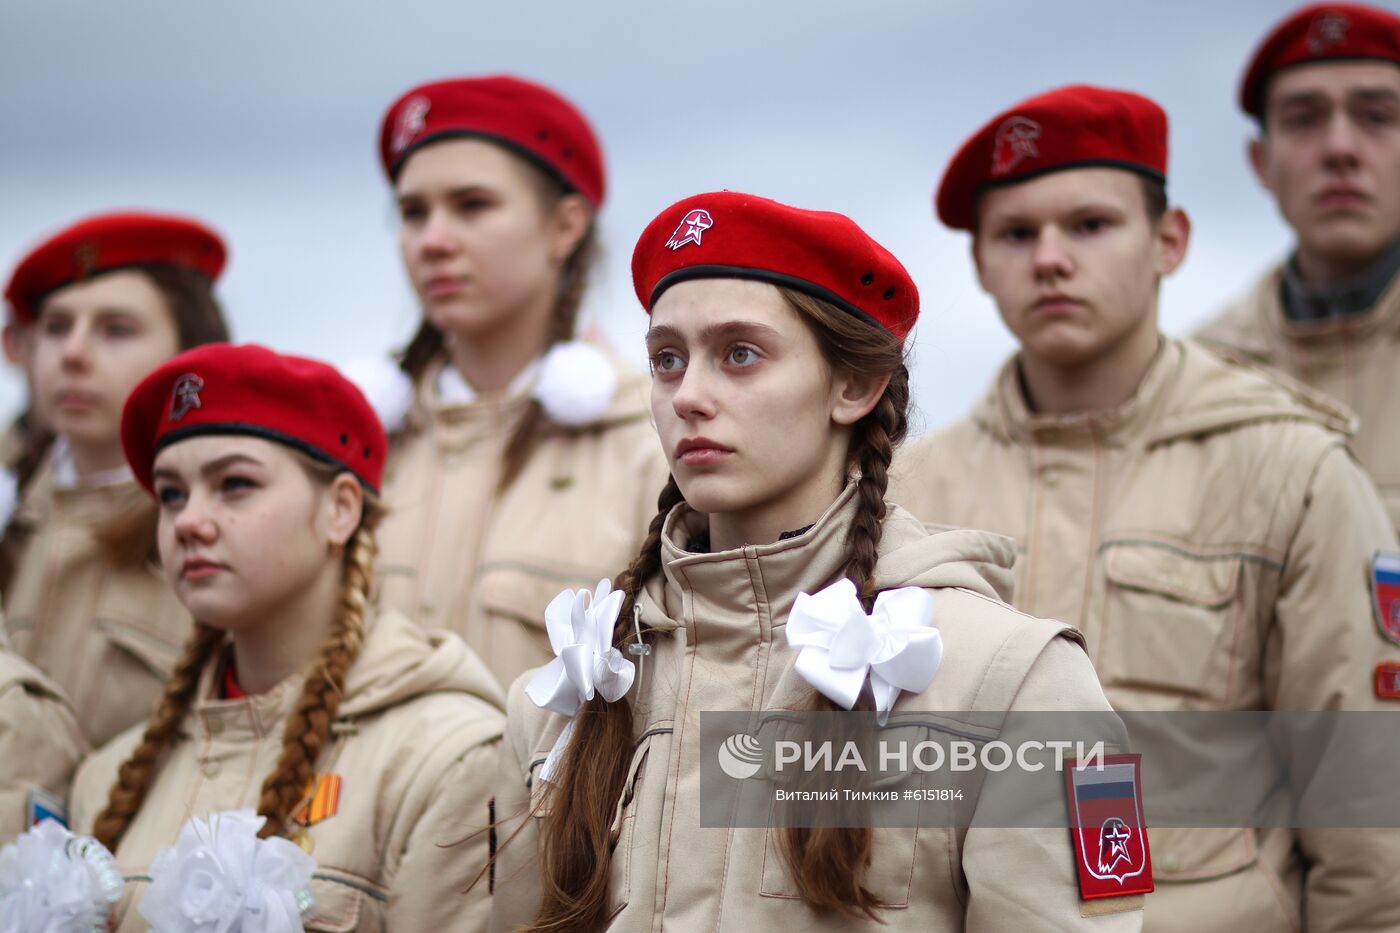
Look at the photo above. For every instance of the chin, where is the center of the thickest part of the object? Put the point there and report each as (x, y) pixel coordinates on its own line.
(712, 494)
(461, 318)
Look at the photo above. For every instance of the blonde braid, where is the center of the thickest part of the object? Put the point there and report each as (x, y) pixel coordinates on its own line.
(310, 724)
(134, 777)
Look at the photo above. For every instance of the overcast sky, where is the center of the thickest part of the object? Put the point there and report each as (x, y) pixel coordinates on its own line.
(261, 117)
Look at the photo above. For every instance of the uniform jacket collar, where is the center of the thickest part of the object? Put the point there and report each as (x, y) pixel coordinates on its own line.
(1186, 391)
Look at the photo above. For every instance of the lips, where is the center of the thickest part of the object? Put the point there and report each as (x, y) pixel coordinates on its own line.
(75, 399)
(1054, 303)
(1342, 196)
(198, 568)
(442, 286)
(701, 451)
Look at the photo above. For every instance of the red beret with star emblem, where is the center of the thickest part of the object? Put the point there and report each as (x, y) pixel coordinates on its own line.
(220, 388)
(107, 242)
(1322, 32)
(726, 234)
(1079, 126)
(527, 118)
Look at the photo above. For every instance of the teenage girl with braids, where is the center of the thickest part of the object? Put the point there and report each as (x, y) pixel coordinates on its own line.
(105, 301)
(779, 390)
(366, 740)
(521, 459)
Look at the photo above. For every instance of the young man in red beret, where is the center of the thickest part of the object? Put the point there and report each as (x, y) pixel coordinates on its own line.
(1204, 527)
(1324, 89)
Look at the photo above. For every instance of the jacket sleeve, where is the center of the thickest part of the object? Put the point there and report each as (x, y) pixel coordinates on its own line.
(516, 871)
(441, 884)
(40, 745)
(1322, 655)
(1025, 878)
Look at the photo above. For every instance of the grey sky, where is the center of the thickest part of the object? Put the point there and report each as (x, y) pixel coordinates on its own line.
(261, 117)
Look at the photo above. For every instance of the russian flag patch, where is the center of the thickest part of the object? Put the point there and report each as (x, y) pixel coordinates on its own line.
(1106, 823)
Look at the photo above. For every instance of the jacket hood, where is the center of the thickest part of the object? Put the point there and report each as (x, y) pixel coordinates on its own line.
(1188, 391)
(915, 554)
(400, 661)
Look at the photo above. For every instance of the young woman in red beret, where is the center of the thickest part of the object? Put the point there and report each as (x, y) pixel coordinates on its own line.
(106, 301)
(367, 741)
(521, 458)
(764, 315)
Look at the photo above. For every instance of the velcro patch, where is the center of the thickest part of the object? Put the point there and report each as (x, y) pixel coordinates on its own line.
(1110, 838)
(1388, 680)
(1385, 593)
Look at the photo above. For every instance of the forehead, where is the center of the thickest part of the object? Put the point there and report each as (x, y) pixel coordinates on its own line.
(127, 289)
(457, 163)
(190, 454)
(1335, 79)
(693, 304)
(1066, 190)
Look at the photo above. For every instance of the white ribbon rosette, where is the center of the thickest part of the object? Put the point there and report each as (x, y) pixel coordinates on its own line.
(219, 877)
(839, 645)
(580, 626)
(52, 881)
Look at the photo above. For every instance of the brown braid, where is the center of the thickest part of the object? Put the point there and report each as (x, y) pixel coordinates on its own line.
(134, 777)
(596, 763)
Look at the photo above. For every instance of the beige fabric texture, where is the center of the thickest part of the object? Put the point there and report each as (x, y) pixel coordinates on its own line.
(456, 555)
(720, 645)
(107, 635)
(415, 744)
(1212, 538)
(1355, 360)
(40, 743)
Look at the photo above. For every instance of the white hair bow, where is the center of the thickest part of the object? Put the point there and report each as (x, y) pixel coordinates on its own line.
(580, 626)
(839, 645)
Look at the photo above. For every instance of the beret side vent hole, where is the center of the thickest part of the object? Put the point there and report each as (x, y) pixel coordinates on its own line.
(867, 279)
(889, 293)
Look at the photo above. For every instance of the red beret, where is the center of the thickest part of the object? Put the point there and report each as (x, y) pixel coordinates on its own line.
(726, 234)
(1322, 32)
(111, 241)
(219, 388)
(1070, 127)
(526, 118)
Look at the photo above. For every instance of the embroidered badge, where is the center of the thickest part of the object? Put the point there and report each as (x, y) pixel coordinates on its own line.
(691, 228)
(1328, 28)
(46, 806)
(85, 258)
(1388, 680)
(1385, 593)
(1105, 819)
(412, 118)
(1015, 142)
(185, 395)
(321, 800)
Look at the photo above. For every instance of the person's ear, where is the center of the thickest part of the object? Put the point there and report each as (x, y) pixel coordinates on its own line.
(345, 504)
(854, 396)
(1258, 151)
(569, 223)
(1173, 237)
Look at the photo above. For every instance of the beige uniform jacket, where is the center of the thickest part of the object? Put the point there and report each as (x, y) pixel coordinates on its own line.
(1355, 360)
(456, 555)
(108, 635)
(1212, 539)
(40, 744)
(415, 747)
(722, 646)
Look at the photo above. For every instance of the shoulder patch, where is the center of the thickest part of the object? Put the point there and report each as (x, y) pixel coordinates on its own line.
(1385, 594)
(46, 806)
(1388, 680)
(1107, 827)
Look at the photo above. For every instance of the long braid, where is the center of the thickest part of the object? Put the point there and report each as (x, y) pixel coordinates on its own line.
(134, 777)
(883, 429)
(576, 838)
(309, 727)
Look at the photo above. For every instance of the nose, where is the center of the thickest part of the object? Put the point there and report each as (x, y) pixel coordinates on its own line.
(694, 399)
(194, 523)
(76, 347)
(437, 238)
(1051, 258)
(1340, 142)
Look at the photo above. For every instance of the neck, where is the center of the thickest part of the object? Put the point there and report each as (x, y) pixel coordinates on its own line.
(1318, 269)
(1102, 383)
(90, 460)
(283, 642)
(765, 523)
(490, 360)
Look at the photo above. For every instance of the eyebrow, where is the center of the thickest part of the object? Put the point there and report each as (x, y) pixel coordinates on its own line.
(1365, 94)
(711, 332)
(460, 192)
(209, 469)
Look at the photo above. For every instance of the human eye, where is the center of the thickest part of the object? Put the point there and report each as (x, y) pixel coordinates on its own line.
(1091, 224)
(55, 325)
(234, 484)
(411, 212)
(119, 328)
(665, 362)
(1016, 234)
(741, 355)
(169, 495)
